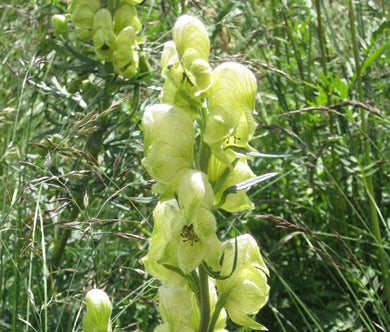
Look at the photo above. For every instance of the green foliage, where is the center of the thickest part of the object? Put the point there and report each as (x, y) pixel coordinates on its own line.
(71, 146)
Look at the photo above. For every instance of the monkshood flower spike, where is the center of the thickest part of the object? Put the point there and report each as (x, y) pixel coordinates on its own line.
(196, 146)
(97, 317)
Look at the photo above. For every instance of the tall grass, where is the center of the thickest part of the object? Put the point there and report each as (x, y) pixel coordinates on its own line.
(323, 110)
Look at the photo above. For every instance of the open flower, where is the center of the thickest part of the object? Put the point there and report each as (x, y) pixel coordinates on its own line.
(185, 64)
(231, 106)
(124, 16)
(168, 142)
(97, 318)
(165, 215)
(179, 309)
(125, 56)
(82, 13)
(247, 286)
(104, 36)
(184, 237)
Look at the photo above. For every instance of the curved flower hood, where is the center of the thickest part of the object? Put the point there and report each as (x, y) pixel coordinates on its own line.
(231, 106)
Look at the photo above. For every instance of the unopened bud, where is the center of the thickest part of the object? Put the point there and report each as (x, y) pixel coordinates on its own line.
(60, 24)
(97, 318)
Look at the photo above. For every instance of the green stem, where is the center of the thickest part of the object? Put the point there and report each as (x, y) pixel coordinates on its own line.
(59, 247)
(204, 297)
(204, 301)
(369, 184)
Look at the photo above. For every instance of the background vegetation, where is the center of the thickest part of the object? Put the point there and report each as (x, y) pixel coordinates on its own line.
(71, 150)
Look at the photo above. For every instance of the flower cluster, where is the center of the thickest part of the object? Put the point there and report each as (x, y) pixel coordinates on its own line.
(196, 147)
(114, 36)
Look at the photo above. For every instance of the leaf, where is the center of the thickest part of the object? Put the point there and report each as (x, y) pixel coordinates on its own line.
(373, 56)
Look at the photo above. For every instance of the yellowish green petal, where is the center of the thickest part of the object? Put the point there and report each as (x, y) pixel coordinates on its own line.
(231, 104)
(165, 215)
(168, 141)
(125, 56)
(247, 287)
(174, 305)
(102, 19)
(189, 32)
(234, 202)
(125, 16)
(194, 191)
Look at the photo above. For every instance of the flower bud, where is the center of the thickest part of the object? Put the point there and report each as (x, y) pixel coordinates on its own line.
(97, 318)
(125, 16)
(125, 56)
(60, 24)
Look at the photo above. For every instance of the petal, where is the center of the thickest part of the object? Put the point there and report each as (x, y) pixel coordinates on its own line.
(168, 141)
(190, 254)
(248, 254)
(231, 103)
(194, 191)
(103, 41)
(102, 19)
(169, 54)
(238, 201)
(165, 215)
(200, 76)
(189, 32)
(174, 305)
(126, 15)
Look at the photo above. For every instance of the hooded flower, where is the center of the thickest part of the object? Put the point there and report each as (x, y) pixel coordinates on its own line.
(185, 63)
(247, 286)
(82, 13)
(168, 142)
(197, 240)
(97, 318)
(125, 56)
(124, 16)
(179, 309)
(104, 36)
(165, 215)
(231, 106)
(184, 236)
